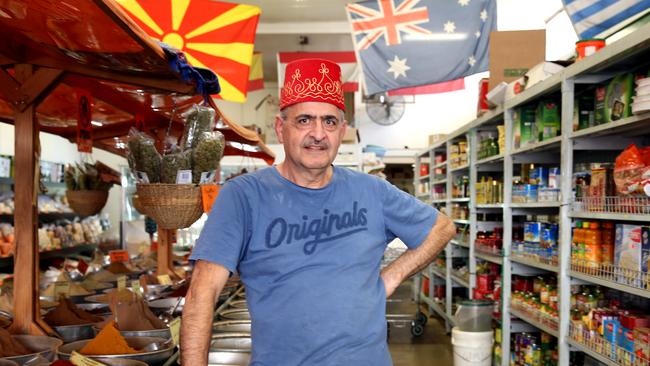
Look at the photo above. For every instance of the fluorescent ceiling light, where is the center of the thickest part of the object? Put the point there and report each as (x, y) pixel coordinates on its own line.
(95, 123)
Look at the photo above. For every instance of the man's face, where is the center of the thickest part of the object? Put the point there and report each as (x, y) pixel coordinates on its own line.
(311, 134)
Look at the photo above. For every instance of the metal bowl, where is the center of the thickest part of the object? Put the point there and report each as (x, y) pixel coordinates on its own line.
(232, 326)
(106, 361)
(235, 314)
(231, 342)
(157, 333)
(45, 347)
(4, 362)
(238, 304)
(71, 333)
(153, 358)
(166, 304)
(76, 299)
(95, 308)
(217, 358)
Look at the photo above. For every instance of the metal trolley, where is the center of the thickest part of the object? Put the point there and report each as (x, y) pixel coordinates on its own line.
(394, 317)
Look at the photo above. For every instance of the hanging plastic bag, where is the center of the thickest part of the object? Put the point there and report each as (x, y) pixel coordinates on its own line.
(198, 120)
(172, 163)
(207, 154)
(143, 156)
(630, 171)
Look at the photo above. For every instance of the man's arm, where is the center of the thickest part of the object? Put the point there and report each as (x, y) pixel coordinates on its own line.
(414, 260)
(208, 280)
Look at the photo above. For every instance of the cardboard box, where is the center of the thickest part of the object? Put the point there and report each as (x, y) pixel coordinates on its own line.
(350, 136)
(627, 251)
(541, 71)
(618, 101)
(513, 53)
(436, 137)
(547, 120)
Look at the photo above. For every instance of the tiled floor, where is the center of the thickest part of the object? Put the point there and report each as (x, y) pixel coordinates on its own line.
(432, 348)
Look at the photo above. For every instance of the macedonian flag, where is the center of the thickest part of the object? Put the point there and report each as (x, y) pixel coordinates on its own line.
(212, 34)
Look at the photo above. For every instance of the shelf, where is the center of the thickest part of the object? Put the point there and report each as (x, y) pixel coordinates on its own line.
(549, 144)
(441, 200)
(535, 205)
(609, 216)
(611, 284)
(490, 205)
(532, 263)
(459, 280)
(457, 169)
(490, 160)
(582, 348)
(422, 196)
(436, 308)
(425, 177)
(426, 276)
(436, 272)
(613, 128)
(461, 222)
(441, 165)
(442, 181)
(489, 257)
(466, 199)
(521, 315)
(540, 89)
(460, 244)
(8, 261)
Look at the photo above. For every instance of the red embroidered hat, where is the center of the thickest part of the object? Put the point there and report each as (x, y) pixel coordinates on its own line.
(312, 80)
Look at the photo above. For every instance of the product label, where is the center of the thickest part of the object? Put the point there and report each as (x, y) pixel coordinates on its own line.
(164, 279)
(121, 282)
(175, 329)
(184, 177)
(119, 256)
(208, 177)
(135, 285)
(209, 193)
(79, 360)
(141, 177)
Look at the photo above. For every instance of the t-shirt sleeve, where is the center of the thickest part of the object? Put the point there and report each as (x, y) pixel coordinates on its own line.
(405, 216)
(224, 235)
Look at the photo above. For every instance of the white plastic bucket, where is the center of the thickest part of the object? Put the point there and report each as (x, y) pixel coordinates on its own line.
(472, 348)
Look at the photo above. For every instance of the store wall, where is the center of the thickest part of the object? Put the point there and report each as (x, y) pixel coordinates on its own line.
(59, 150)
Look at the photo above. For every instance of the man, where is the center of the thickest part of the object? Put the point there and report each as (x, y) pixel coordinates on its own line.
(307, 240)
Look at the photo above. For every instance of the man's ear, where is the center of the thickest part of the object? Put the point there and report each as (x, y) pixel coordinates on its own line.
(278, 128)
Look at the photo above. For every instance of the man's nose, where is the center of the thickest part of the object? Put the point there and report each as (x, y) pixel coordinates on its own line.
(318, 131)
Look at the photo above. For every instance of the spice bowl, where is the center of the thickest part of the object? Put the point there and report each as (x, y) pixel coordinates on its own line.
(4, 362)
(71, 333)
(43, 346)
(153, 358)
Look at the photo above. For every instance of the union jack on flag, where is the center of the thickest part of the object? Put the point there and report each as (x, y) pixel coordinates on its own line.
(425, 41)
(388, 21)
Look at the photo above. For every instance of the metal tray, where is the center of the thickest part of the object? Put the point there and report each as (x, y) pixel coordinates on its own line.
(232, 326)
(153, 358)
(45, 347)
(235, 314)
(72, 333)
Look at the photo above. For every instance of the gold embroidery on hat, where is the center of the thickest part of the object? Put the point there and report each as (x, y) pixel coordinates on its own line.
(324, 89)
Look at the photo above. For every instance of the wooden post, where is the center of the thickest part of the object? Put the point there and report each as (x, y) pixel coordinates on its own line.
(27, 317)
(165, 265)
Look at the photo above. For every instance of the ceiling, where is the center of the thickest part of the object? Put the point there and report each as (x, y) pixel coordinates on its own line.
(282, 22)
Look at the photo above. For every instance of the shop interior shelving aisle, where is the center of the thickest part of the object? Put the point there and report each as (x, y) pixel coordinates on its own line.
(566, 151)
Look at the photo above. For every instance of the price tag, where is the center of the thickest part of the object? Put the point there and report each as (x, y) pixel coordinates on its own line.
(121, 283)
(141, 177)
(80, 360)
(184, 177)
(118, 256)
(165, 280)
(175, 329)
(208, 177)
(135, 285)
(209, 193)
(61, 288)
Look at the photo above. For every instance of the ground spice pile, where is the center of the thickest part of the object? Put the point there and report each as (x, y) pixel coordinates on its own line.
(67, 313)
(108, 341)
(10, 347)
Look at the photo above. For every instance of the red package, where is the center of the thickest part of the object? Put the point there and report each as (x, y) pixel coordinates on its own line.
(645, 155)
(630, 171)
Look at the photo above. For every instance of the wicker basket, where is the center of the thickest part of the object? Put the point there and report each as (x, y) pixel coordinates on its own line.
(86, 203)
(172, 206)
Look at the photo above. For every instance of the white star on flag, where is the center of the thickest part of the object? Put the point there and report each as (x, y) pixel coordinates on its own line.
(478, 34)
(484, 15)
(450, 27)
(471, 60)
(463, 2)
(398, 67)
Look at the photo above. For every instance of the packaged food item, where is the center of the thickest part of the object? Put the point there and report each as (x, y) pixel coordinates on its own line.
(618, 100)
(585, 114)
(601, 181)
(548, 195)
(539, 176)
(645, 250)
(172, 163)
(627, 253)
(547, 120)
(532, 232)
(198, 119)
(630, 171)
(207, 154)
(599, 105)
(554, 177)
(143, 156)
(642, 344)
(524, 124)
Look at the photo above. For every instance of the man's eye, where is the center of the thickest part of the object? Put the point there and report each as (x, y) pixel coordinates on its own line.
(303, 121)
(331, 122)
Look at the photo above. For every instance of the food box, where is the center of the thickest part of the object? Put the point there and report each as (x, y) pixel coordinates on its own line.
(645, 250)
(627, 252)
(533, 232)
(599, 105)
(539, 176)
(584, 115)
(541, 71)
(424, 169)
(642, 342)
(618, 100)
(554, 177)
(524, 124)
(547, 119)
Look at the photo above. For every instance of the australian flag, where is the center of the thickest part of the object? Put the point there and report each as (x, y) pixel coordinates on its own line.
(405, 43)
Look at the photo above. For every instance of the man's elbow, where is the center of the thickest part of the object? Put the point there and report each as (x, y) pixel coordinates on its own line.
(447, 227)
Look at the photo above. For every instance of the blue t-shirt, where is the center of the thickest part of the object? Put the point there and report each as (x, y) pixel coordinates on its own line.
(310, 261)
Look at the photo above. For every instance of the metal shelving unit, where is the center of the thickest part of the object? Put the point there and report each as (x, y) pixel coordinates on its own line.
(621, 56)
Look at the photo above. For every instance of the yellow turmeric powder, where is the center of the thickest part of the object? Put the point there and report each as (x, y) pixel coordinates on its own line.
(108, 341)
